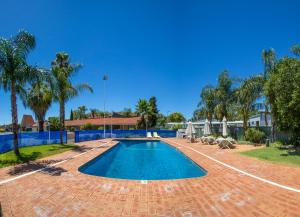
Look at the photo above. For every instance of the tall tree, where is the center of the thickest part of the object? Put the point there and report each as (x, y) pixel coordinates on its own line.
(71, 115)
(208, 101)
(296, 49)
(153, 112)
(269, 59)
(142, 109)
(82, 112)
(13, 72)
(93, 113)
(38, 97)
(283, 86)
(62, 87)
(161, 120)
(224, 94)
(249, 90)
(199, 113)
(176, 117)
(127, 112)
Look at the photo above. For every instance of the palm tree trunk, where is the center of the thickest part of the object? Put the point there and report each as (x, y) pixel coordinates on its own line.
(245, 124)
(273, 130)
(266, 113)
(41, 125)
(62, 120)
(14, 115)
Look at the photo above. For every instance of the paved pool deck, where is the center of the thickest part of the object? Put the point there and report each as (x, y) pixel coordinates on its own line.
(232, 187)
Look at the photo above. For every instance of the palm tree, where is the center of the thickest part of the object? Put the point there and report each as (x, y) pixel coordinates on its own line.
(224, 95)
(62, 87)
(82, 112)
(142, 109)
(93, 113)
(269, 59)
(127, 112)
(248, 92)
(38, 97)
(296, 49)
(208, 102)
(14, 73)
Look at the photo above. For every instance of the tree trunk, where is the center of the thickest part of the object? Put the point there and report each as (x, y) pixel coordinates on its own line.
(273, 130)
(41, 125)
(245, 124)
(14, 115)
(62, 120)
(266, 113)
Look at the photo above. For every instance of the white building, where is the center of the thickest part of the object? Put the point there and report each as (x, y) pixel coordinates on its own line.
(259, 120)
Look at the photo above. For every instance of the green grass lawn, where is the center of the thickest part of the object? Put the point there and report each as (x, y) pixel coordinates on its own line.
(33, 153)
(276, 154)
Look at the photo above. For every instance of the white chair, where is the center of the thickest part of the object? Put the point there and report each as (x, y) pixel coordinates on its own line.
(155, 135)
(149, 135)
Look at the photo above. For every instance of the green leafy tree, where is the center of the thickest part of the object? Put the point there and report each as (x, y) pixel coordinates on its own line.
(249, 90)
(88, 126)
(161, 120)
(54, 123)
(176, 127)
(82, 112)
(38, 97)
(199, 113)
(14, 73)
(224, 95)
(153, 112)
(296, 49)
(127, 112)
(94, 113)
(176, 117)
(143, 110)
(208, 101)
(283, 91)
(62, 87)
(71, 115)
(269, 60)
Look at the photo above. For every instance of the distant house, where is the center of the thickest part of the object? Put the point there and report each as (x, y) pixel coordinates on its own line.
(27, 123)
(122, 123)
(35, 126)
(259, 120)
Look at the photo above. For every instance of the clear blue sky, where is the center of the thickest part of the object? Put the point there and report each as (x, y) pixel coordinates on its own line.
(164, 48)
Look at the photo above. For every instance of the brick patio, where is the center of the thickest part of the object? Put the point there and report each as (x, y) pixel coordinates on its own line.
(63, 191)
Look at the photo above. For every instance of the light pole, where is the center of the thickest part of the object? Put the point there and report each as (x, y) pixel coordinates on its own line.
(111, 125)
(105, 78)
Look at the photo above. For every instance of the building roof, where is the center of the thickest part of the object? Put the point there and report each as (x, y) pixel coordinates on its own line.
(100, 121)
(27, 121)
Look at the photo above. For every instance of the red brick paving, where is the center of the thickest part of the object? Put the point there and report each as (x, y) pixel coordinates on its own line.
(63, 191)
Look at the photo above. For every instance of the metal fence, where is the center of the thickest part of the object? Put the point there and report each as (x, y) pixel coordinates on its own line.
(30, 139)
(238, 133)
(86, 135)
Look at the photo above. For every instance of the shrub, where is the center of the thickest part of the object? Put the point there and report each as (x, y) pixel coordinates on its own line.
(176, 127)
(254, 135)
(87, 126)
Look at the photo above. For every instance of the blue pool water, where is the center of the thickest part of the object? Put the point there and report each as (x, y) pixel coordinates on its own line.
(143, 160)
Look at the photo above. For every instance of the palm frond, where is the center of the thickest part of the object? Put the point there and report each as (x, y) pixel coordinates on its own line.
(84, 86)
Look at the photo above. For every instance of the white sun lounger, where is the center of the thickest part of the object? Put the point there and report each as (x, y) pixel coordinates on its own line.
(155, 135)
(149, 135)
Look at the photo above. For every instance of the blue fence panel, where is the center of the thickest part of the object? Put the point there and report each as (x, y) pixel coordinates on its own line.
(30, 139)
(87, 135)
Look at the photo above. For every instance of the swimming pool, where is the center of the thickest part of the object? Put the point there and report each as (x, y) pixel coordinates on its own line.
(143, 160)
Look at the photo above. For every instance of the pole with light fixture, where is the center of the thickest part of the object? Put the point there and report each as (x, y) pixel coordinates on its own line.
(105, 78)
